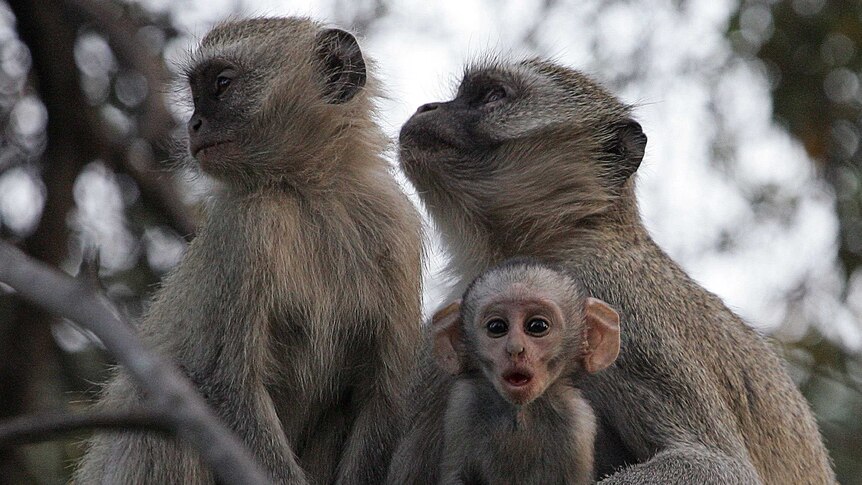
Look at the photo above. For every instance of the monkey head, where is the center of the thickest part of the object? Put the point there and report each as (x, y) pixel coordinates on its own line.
(520, 140)
(272, 96)
(523, 325)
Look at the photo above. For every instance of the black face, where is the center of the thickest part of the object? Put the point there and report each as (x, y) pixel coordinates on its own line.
(251, 103)
(452, 125)
(523, 150)
(515, 108)
(218, 115)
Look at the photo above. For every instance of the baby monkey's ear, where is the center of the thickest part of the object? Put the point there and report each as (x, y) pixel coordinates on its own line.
(343, 66)
(448, 338)
(602, 335)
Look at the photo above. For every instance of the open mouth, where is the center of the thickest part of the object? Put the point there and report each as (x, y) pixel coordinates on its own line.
(517, 378)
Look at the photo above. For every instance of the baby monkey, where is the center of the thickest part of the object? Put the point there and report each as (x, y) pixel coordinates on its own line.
(518, 341)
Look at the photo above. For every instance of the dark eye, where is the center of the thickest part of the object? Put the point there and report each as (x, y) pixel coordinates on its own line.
(494, 94)
(223, 81)
(497, 327)
(537, 327)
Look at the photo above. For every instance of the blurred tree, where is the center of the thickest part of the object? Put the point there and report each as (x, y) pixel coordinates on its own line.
(811, 50)
(93, 96)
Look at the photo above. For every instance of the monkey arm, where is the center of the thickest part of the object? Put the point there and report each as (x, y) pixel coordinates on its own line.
(230, 363)
(453, 470)
(419, 452)
(463, 438)
(454, 478)
(141, 457)
(675, 440)
(377, 424)
(367, 451)
(136, 457)
(417, 457)
(214, 327)
(686, 465)
(251, 413)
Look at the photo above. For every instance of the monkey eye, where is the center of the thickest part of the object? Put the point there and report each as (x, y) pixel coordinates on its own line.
(537, 327)
(223, 81)
(494, 94)
(497, 327)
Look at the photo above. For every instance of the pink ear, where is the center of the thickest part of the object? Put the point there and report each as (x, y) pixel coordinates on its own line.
(448, 338)
(603, 335)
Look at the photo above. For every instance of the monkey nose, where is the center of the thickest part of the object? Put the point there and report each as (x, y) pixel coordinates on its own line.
(427, 107)
(515, 349)
(195, 123)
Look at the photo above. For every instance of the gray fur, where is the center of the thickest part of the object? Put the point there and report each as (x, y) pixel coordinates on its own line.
(296, 308)
(544, 442)
(696, 395)
(488, 440)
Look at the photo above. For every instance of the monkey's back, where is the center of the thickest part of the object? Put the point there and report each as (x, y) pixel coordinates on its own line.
(771, 423)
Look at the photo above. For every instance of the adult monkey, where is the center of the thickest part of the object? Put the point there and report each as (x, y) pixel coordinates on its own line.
(296, 309)
(534, 159)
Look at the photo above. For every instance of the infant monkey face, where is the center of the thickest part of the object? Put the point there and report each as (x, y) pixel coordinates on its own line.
(518, 343)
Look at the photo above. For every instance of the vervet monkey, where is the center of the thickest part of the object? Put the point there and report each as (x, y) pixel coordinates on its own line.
(535, 159)
(519, 341)
(296, 309)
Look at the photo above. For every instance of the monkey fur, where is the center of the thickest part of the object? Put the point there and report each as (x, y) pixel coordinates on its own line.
(534, 159)
(296, 309)
(524, 336)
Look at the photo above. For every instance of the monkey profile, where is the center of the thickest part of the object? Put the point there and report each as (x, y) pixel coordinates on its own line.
(517, 342)
(533, 159)
(296, 309)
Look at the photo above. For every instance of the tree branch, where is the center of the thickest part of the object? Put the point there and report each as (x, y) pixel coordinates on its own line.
(167, 389)
(29, 351)
(40, 427)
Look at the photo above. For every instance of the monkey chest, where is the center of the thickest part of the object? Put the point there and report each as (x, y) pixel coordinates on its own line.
(540, 453)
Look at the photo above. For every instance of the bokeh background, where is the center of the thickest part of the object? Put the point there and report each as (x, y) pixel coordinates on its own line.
(752, 177)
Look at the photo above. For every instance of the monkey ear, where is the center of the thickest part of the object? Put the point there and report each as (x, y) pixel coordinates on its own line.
(603, 335)
(629, 145)
(448, 338)
(343, 65)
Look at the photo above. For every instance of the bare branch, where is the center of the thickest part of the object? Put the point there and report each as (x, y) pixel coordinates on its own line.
(167, 389)
(40, 427)
(26, 345)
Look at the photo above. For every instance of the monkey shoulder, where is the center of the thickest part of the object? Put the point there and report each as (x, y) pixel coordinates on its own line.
(678, 339)
(666, 304)
(463, 401)
(578, 443)
(564, 414)
(474, 414)
(576, 409)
